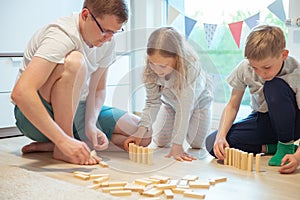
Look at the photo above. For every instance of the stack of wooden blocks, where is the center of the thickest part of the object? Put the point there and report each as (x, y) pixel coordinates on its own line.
(140, 154)
(241, 160)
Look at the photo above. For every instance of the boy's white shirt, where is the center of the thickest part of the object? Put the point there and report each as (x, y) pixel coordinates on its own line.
(244, 76)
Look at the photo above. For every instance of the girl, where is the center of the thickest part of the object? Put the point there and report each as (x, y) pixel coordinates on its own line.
(179, 95)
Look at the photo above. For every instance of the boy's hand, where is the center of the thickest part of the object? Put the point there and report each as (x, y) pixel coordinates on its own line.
(219, 148)
(289, 164)
(179, 154)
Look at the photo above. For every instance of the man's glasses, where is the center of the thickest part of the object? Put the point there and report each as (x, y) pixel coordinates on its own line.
(101, 29)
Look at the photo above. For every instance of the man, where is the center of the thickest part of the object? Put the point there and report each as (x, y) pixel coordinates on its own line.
(60, 90)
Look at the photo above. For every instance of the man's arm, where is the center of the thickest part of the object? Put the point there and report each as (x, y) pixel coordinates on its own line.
(94, 103)
(228, 116)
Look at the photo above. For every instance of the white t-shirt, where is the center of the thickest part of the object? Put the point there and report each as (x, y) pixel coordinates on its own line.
(54, 41)
(244, 76)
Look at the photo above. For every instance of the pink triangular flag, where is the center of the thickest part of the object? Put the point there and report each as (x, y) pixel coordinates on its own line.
(236, 30)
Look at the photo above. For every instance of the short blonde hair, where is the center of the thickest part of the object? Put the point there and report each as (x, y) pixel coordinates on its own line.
(263, 42)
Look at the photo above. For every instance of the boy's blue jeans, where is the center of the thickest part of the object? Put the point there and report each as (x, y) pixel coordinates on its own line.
(280, 123)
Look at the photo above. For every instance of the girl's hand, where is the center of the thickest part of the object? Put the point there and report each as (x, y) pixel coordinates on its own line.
(131, 139)
(179, 154)
(289, 164)
(219, 148)
(135, 138)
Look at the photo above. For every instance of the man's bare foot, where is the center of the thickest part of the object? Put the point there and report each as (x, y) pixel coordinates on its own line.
(38, 147)
(58, 155)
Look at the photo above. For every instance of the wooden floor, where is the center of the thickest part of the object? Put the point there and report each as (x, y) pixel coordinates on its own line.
(267, 184)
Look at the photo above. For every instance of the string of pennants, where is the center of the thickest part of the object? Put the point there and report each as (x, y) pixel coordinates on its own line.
(235, 27)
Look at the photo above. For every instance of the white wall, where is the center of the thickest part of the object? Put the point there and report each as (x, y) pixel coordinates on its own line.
(294, 33)
(21, 18)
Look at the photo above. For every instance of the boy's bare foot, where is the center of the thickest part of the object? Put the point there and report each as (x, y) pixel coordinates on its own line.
(38, 147)
(58, 155)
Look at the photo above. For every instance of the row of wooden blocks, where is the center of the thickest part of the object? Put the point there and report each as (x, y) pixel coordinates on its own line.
(153, 186)
(140, 154)
(241, 160)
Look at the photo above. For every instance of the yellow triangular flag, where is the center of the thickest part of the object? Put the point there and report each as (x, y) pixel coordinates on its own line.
(172, 14)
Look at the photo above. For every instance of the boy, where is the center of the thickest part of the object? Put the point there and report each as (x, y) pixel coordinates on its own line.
(61, 87)
(273, 81)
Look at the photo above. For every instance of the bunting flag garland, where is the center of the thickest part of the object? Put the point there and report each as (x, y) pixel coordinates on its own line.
(253, 20)
(236, 30)
(172, 14)
(209, 32)
(189, 25)
(277, 8)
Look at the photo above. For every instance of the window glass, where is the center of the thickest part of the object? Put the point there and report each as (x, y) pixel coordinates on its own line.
(218, 50)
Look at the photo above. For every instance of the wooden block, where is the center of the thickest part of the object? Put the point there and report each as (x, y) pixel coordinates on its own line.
(130, 151)
(226, 160)
(257, 162)
(212, 181)
(83, 173)
(154, 181)
(134, 152)
(244, 161)
(120, 192)
(164, 186)
(153, 192)
(199, 184)
(117, 183)
(82, 176)
(139, 154)
(145, 155)
(250, 162)
(181, 190)
(103, 164)
(101, 179)
(135, 188)
(169, 194)
(173, 181)
(108, 189)
(221, 179)
(230, 156)
(239, 159)
(194, 195)
(93, 154)
(94, 176)
(146, 188)
(150, 156)
(190, 177)
(142, 182)
(104, 184)
(162, 179)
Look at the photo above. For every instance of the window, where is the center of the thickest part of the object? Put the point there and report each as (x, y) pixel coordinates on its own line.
(211, 36)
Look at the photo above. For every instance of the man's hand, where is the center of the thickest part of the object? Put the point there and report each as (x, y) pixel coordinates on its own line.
(97, 138)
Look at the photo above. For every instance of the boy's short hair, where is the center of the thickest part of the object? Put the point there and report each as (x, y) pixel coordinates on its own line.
(108, 7)
(263, 42)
